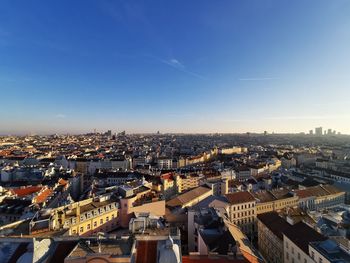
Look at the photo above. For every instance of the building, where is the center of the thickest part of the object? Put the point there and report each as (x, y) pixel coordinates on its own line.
(189, 198)
(153, 241)
(138, 161)
(274, 164)
(187, 182)
(169, 187)
(296, 240)
(255, 170)
(288, 162)
(270, 236)
(243, 173)
(274, 200)
(242, 210)
(12, 209)
(318, 131)
(149, 203)
(85, 217)
(158, 246)
(328, 251)
(320, 197)
(164, 163)
(210, 234)
(219, 185)
(139, 199)
(102, 249)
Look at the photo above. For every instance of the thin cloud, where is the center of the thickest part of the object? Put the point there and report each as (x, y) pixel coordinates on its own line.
(176, 64)
(256, 79)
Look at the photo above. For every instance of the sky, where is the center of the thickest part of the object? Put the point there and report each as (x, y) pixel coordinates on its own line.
(196, 66)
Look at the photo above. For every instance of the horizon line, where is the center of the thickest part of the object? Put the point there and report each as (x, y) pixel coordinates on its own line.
(174, 133)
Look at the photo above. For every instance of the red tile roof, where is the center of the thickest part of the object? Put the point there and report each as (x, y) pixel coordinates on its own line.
(168, 176)
(21, 192)
(185, 198)
(62, 181)
(319, 190)
(239, 197)
(43, 195)
(146, 251)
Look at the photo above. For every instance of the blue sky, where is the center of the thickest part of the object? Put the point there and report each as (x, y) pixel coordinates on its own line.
(174, 66)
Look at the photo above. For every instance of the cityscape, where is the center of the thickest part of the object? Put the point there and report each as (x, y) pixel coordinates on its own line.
(175, 131)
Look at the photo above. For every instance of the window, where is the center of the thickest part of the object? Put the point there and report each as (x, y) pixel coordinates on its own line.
(287, 256)
(101, 221)
(88, 226)
(292, 250)
(95, 224)
(298, 255)
(286, 244)
(81, 229)
(107, 219)
(320, 260)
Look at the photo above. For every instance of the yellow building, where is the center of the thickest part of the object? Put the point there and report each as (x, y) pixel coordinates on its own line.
(275, 200)
(88, 217)
(242, 210)
(320, 197)
(184, 183)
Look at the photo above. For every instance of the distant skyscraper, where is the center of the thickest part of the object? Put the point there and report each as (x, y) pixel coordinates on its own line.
(318, 131)
(329, 132)
(311, 132)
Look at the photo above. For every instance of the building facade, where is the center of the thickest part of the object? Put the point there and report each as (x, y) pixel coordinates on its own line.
(242, 211)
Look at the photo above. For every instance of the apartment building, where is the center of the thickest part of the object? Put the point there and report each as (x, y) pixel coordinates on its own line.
(320, 197)
(274, 200)
(328, 251)
(270, 236)
(165, 163)
(296, 240)
(242, 210)
(169, 187)
(86, 217)
(188, 182)
(90, 216)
